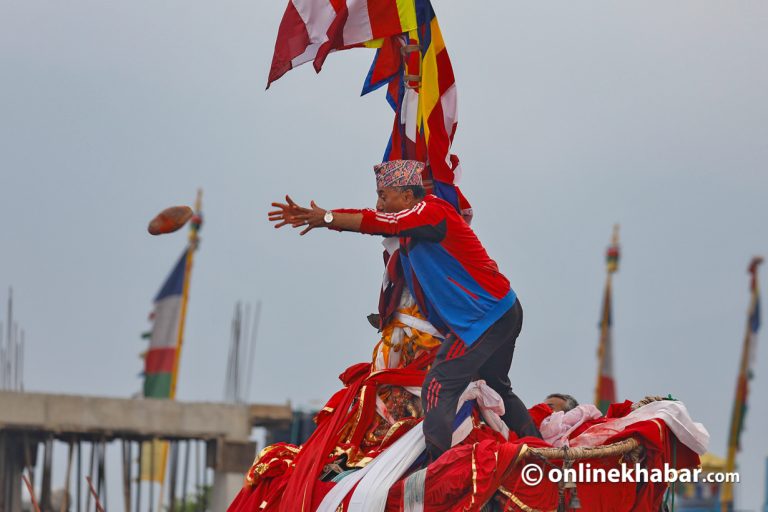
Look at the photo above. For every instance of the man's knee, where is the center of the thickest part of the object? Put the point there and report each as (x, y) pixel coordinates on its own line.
(499, 383)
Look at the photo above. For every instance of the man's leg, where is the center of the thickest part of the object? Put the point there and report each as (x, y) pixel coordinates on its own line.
(443, 385)
(454, 368)
(495, 372)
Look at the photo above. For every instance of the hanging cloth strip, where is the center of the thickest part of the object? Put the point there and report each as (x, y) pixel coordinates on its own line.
(370, 485)
(319, 448)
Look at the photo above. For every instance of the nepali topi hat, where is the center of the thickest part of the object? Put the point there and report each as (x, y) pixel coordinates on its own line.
(398, 173)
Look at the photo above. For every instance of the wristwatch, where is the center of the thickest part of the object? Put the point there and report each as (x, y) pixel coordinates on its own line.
(328, 217)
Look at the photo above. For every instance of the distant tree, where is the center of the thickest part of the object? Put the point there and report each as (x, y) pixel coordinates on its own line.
(197, 502)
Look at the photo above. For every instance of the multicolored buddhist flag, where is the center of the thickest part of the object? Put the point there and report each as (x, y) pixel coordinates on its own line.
(742, 383)
(311, 29)
(605, 391)
(421, 89)
(411, 60)
(160, 359)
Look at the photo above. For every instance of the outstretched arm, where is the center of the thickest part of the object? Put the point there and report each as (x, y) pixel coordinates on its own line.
(421, 221)
(313, 217)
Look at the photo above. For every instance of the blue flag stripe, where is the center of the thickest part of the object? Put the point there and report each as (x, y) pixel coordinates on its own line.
(175, 282)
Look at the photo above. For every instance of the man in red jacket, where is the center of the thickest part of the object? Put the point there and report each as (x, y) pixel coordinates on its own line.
(457, 286)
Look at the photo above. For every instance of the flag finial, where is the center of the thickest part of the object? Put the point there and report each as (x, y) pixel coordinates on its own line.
(756, 262)
(613, 253)
(197, 220)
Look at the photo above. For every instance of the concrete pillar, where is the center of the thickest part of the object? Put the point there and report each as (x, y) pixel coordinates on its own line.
(11, 466)
(225, 488)
(231, 461)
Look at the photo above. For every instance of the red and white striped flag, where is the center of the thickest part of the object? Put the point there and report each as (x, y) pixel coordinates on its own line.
(310, 29)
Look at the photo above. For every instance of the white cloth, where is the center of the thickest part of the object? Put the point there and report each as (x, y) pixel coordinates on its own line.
(491, 409)
(417, 323)
(672, 413)
(556, 427)
(414, 390)
(413, 491)
(400, 333)
(391, 244)
(378, 476)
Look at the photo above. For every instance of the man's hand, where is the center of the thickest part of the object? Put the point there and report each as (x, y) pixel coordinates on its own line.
(297, 216)
(313, 217)
(287, 213)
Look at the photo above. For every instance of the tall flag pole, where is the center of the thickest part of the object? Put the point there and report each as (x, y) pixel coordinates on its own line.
(161, 361)
(194, 240)
(605, 390)
(765, 503)
(742, 384)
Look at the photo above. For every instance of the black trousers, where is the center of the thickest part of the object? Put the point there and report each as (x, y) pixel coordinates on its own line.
(456, 365)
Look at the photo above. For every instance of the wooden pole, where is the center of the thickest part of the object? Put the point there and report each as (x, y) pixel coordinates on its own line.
(152, 473)
(2, 355)
(102, 481)
(737, 414)
(184, 477)
(65, 502)
(138, 478)
(45, 490)
(126, 446)
(31, 492)
(603, 341)
(192, 246)
(602, 350)
(79, 484)
(172, 475)
(198, 484)
(203, 490)
(5, 473)
(99, 508)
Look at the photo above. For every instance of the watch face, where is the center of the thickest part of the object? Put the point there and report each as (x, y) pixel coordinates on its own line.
(328, 218)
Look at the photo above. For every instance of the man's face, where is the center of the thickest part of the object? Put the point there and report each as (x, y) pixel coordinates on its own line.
(556, 404)
(393, 200)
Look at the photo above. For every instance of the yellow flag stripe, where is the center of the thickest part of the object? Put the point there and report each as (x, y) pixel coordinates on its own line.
(406, 10)
(153, 470)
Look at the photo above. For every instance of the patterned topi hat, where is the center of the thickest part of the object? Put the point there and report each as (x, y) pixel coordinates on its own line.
(398, 173)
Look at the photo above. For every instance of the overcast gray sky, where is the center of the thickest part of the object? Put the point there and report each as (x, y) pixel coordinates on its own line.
(573, 116)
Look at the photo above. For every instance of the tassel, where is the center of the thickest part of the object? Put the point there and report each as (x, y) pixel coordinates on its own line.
(575, 501)
(561, 498)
